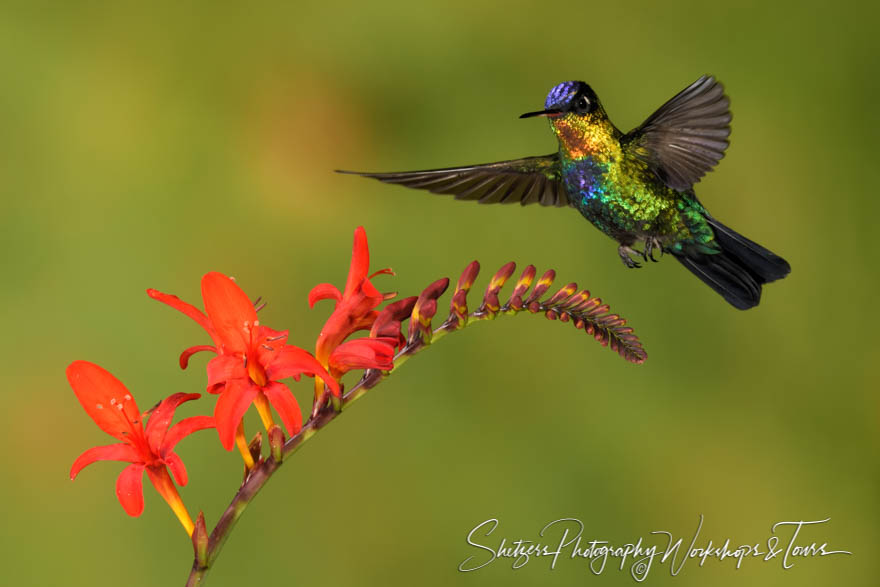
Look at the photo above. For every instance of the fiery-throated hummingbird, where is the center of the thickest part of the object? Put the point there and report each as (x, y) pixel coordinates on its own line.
(635, 187)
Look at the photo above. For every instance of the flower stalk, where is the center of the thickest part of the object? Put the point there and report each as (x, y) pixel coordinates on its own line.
(567, 304)
(251, 360)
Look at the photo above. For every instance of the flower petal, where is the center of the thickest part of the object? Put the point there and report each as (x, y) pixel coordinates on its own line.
(230, 408)
(292, 360)
(360, 261)
(188, 309)
(183, 429)
(352, 314)
(175, 463)
(230, 311)
(363, 353)
(223, 368)
(364, 298)
(323, 291)
(185, 355)
(112, 452)
(130, 489)
(284, 402)
(160, 419)
(268, 343)
(106, 400)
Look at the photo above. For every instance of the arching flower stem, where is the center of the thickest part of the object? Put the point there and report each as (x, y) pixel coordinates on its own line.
(567, 304)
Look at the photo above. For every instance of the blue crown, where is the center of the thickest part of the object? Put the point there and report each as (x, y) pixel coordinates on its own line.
(561, 94)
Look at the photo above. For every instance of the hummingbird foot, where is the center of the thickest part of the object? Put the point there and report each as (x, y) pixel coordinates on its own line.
(626, 255)
(652, 243)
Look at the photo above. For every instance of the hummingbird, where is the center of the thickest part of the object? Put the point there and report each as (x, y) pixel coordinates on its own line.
(636, 187)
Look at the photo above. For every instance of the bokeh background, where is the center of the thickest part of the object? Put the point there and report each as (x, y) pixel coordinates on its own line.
(142, 147)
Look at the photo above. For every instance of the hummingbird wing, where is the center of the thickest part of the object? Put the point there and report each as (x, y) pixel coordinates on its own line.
(529, 180)
(686, 137)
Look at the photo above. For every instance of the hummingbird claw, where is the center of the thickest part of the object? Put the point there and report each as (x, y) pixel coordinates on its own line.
(626, 252)
(652, 243)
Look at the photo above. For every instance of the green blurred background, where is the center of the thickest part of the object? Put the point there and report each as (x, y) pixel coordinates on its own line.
(142, 147)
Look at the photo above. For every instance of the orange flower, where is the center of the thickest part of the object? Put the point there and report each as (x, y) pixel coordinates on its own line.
(355, 310)
(107, 402)
(250, 361)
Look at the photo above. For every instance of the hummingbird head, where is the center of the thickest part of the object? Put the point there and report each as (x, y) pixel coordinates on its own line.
(578, 119)
(568, 99)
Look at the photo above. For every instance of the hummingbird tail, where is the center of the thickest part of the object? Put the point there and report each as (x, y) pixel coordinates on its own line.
(739, 270)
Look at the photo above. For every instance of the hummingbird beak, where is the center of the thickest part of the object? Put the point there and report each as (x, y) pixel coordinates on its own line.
(549, 113)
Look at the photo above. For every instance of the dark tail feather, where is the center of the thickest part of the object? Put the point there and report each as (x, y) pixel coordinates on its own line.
(738, 272)
(764, 264)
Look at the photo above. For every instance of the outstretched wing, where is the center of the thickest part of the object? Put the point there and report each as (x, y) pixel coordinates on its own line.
(687, 136)
(527, 181)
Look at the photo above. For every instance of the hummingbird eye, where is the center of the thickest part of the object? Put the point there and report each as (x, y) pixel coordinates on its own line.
(582, 105)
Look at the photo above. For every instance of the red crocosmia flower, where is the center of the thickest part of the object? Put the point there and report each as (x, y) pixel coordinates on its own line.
(355, 310)
(250, 360)
(151, 449)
